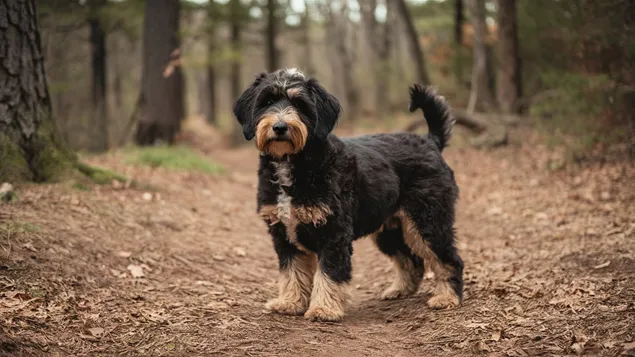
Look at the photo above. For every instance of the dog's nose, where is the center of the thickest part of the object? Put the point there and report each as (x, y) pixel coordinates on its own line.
(280, 128)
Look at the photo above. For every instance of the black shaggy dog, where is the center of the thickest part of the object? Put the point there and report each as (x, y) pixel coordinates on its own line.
(319, 193)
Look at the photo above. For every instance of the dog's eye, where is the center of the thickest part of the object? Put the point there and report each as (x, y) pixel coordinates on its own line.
(270, 102)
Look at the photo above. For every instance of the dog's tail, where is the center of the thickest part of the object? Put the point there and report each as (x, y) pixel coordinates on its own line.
(436, 112)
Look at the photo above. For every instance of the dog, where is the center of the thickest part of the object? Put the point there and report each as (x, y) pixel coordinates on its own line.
(318, 193)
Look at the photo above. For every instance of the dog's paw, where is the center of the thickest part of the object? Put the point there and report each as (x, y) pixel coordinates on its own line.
(444, 301)
(393, 293)
(324, 314)
(286, 307)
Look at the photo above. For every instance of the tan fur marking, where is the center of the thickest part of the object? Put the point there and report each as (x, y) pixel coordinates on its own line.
(406, 281)
(294, 286)
(328, 299)
(443, 294)
(298, 133)
(279, 148)
(269, 214)
(294, 92)
(313, 214)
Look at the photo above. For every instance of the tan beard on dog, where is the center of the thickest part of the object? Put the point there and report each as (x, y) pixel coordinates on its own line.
(265, 136)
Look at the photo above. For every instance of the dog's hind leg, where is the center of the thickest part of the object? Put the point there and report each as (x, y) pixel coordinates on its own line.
(429, 232)
(408, 266)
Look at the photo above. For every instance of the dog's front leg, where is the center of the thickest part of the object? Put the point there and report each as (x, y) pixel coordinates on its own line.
(330, 283)
(296, 275)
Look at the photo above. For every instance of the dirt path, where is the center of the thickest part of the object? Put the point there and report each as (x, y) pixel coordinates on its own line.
(550, 268)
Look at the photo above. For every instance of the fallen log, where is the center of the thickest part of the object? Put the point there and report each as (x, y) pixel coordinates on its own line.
(491, 133)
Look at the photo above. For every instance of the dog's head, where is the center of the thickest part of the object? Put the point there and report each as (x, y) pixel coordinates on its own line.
(284, 110)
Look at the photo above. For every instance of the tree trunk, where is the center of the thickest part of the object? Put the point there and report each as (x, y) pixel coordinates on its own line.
(509, 85)
(415, 45)
(339, 31)
(480, 92)
(459, 55)
(306, 38)
(272, 34)
(30, 146)
(98, 66)
(236, 45)
(212, 107)
(162, 79)
(117, 81)
(382, 84)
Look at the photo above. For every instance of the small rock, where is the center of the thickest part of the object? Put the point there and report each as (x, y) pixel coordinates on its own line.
(136, 271)
(494, 211)
(6, 192)
(577, 181)
(605, 196)
(357, 287)
(96, 331)
(117, 185)
(220, 258)
(240, 252)
(147, 196)
(124, 254)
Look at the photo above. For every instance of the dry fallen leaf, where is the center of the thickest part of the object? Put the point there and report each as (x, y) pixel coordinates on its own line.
(30, 247)
(240, 252)
(496, 335)
(603, 265)
(124, 254)
(482, 347)
(136, 271)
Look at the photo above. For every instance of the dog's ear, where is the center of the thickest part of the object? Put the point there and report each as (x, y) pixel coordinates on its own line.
(327, 109)
(243, 108)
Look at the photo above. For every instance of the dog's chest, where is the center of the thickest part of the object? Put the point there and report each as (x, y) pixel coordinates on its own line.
(286, 214)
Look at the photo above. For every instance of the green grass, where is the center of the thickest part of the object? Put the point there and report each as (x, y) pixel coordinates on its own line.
(173, 158)
(19, 227)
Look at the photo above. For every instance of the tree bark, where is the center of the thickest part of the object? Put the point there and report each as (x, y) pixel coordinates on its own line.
(271, 36)
(480, 92)
(459, 19)
(98, 68)
(509, 85)
(338, 25)
(309, 67)
(236, 45)
(415, 45)
(382, 84)
(162, 79)
(212, 107)
(30, 146)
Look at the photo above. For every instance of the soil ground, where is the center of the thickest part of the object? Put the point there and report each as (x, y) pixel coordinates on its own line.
(185, 269)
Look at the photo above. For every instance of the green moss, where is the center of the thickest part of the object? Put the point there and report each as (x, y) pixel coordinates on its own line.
(80, 186)
(19, 227)
(13, 167)
(174, 158)
(99, 175)
(52, 160)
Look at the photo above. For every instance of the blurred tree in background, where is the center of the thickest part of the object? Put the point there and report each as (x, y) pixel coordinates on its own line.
(116, 69)
(30, 148)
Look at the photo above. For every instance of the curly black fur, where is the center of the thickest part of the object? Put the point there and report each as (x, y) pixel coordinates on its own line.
(365, 181)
